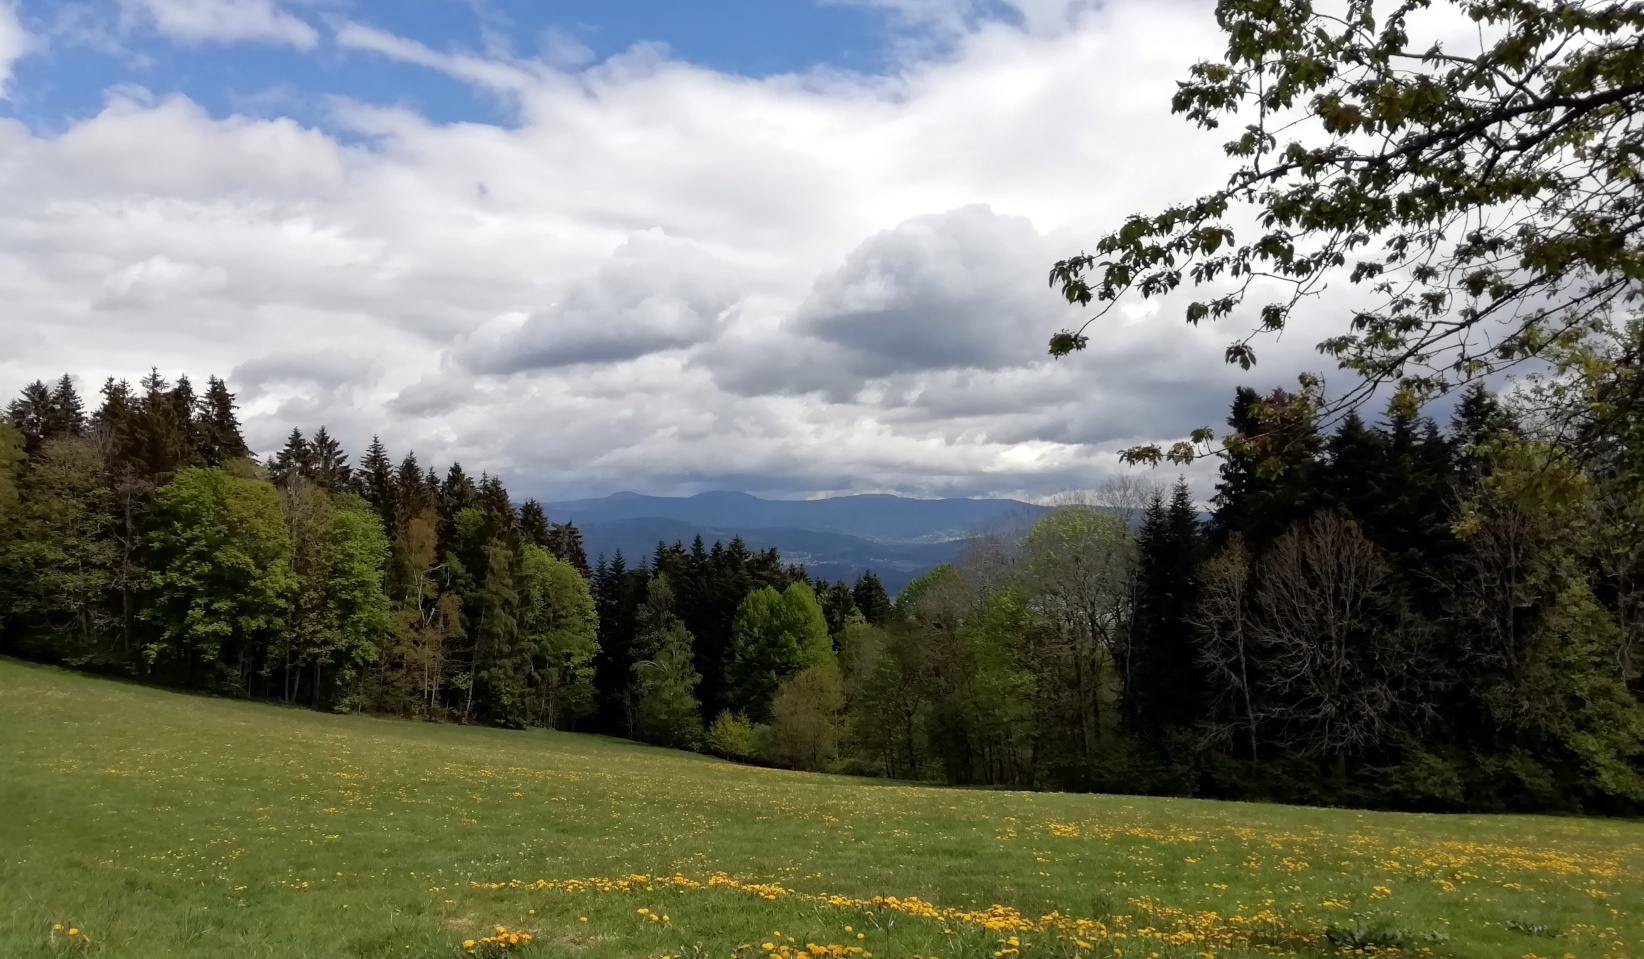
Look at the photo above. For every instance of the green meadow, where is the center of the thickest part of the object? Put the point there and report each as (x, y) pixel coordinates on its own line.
(158, 824)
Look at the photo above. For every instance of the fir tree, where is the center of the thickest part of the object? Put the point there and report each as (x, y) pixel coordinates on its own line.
(533, 524)
(31, 414)
(156, 439)
(329, 467)
(1355, 468)
(501, 661)
(376, 482)
(565, 542)
(871, 599)
(217, 426)
(1271, 482)
(665, 675)
(457, 491)
(67, 416)
(294, 460)
(1165, 685)
(838, 603)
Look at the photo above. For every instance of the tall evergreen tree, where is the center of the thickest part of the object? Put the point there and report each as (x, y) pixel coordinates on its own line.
(1270, 481)
(870, 597)
(67, 415)
(156, 440)
(329, 469)
(838, 603)
(533, 524)
(1165, 687)
(501, 661)
(31, 414)
(376, 482)
(294, 460)
(665, 675)
(217, 426)
(565, 542)
(57, 565)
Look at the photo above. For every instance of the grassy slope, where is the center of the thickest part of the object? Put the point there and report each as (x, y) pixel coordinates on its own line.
(167, 825)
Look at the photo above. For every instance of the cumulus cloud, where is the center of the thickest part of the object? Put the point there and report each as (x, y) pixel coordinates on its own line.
(159, 279)
(658, 277)
(14, 42)
(321, 369)
(224, 21)
(654, 294)
(955, 290)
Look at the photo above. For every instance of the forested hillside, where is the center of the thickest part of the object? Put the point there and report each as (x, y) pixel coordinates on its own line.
(1401, 614)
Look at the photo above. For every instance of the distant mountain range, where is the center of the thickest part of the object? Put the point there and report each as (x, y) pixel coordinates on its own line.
(839, 538)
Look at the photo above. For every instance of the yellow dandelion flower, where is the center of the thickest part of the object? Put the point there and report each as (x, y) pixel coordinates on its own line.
(74, 932)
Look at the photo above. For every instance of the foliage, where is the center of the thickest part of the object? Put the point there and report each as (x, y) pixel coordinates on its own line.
(56, 569)
(222, 579)
(1485, 193)
(731, 736)
(11, 461)
(562, 633)
(1384, 614)
(665, 681)
(805, 719)
(775, 635)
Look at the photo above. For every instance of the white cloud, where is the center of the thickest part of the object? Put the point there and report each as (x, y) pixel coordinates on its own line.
(224, 21)
(662, 276)
(654, 294)
(14, 42)
(484, 71)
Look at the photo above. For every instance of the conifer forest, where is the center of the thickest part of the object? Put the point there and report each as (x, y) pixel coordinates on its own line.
(1403, 613)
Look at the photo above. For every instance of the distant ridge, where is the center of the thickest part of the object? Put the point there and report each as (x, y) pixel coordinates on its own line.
(879, 518)
(896, 537)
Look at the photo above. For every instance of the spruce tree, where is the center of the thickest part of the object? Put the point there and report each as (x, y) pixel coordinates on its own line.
(838, 603)
(1271, 482)
(457, 491)
(376, 482)
(501, 660)
(533, 524)
(565, 542)
(67, 415)
(665, 675)
(294, 460)
(1166, 687)
(31, 414)
(871, 599)
(329, 469)
(157, 441)
(217, 426)
(1355, 468)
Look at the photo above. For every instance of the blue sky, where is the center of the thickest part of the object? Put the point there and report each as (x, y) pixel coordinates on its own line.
(90, 46)
(795, 248)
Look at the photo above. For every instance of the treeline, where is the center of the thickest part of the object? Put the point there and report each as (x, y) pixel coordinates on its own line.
(142, 538)
(1396, 615)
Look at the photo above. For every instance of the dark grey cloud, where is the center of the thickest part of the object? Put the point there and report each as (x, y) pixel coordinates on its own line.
(324, 369)
(654, 294)
(957, 290)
